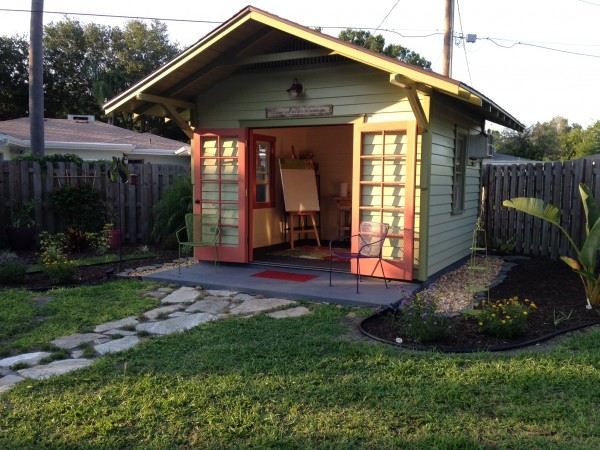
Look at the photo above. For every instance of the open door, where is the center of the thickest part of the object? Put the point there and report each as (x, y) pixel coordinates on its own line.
(220, 193)
(384, 191)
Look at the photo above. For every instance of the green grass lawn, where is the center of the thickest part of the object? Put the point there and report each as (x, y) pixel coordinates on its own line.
(310, 382)
(26, 324)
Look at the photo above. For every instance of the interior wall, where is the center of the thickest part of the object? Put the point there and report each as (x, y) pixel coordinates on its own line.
(331, 147)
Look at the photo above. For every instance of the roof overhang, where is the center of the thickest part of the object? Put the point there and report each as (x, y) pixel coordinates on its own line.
(169, 91)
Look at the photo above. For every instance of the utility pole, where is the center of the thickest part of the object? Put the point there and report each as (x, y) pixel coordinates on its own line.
(448, 38)
(36, 78)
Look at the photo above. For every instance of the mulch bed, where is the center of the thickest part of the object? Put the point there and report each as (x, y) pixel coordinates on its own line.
(38, 281)
(551, 285)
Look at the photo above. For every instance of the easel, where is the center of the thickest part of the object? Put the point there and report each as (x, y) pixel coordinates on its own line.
(303, 227)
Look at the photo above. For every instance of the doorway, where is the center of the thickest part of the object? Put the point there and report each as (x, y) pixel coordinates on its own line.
(329, 148)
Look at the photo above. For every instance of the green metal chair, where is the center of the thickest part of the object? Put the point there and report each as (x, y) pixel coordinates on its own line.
(198, 234)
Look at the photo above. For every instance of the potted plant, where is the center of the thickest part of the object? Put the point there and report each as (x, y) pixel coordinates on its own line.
(21, 232)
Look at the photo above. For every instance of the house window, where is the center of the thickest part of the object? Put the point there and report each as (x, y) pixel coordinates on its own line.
(264, 158)
(459, 171)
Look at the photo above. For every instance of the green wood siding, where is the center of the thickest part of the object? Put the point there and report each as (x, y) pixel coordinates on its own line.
(449, 235)
(354, 90)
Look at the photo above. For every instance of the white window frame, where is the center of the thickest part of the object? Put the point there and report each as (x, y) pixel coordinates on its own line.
(459, 170)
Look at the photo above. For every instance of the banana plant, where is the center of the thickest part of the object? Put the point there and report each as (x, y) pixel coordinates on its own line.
(586, 260)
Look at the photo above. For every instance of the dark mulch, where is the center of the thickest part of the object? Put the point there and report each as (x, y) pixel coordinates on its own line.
(39, 281)
(551, 285)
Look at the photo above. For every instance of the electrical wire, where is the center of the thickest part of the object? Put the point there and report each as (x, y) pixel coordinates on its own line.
(464, 43)
(388, 14)
(529, 44)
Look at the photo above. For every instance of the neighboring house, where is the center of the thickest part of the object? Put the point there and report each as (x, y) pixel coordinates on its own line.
(91, 140)
(503, 159)
(407, 140)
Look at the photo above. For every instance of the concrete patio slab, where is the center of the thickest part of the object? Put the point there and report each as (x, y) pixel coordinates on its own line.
(238, 277)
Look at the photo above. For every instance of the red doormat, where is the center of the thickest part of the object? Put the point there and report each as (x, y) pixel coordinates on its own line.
(286, 276)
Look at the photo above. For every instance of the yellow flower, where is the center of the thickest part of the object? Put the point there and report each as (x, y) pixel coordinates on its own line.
(503, 321)
(480, 324)
(508, 317)
(524, 313)
(533, 305)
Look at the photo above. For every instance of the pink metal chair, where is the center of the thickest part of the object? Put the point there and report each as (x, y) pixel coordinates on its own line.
(370, 245)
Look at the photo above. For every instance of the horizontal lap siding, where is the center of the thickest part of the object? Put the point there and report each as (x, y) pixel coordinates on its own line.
(449, 236)
(354, 90)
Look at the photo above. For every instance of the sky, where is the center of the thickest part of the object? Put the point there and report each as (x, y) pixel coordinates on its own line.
(531, 83)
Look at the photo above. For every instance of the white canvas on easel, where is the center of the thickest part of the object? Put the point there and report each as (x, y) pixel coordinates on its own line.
(299, 187)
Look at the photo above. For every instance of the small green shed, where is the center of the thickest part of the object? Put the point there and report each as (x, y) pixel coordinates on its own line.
(406, 143)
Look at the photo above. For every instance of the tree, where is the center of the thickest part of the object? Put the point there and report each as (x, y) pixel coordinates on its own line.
(13, 77)
(376, 43)
(553, 140)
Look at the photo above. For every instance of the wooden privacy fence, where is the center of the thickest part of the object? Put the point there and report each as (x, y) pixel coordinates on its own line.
(553, 182)
(23, 181)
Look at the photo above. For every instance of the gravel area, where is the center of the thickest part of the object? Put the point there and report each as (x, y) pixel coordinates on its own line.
(150, 269)
(454, 291)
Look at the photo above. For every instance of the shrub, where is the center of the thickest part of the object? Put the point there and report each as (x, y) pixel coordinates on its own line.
(12, 269)
(419, 320)
(170, 211)
(56, 264)
(505, 318)
(81, 207)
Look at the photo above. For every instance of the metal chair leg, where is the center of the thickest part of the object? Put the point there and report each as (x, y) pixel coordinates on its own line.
(357, 272)
(383, 273)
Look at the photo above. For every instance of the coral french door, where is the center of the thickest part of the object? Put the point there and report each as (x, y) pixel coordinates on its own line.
(220, 194)
(384, 192)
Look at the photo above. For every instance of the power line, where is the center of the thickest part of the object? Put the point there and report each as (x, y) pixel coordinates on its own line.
(529, 44)
(589, 3)
(464, 43)
(113, 16)
(388, 14)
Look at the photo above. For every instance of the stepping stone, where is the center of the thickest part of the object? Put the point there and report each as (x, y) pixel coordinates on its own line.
(182, 295)
(288, 313)
(54, 368)
(31, 359)
(153, 314)
(117, 331)
(126, 322)
(155, 294)
(220, 293)
(243, 297)
(260, 305)
(176, 324)
(43, 299)
(214, 305)
(9, 381)
(166, 290)
(179, 314)
(75, 340)
(76, 354)
(117, 345)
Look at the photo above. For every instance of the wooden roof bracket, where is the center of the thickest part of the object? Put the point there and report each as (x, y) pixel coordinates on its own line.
(170, 106)
(413, 98)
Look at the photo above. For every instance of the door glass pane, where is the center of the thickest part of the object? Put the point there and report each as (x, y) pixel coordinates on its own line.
(229, 169)
(395, 143)
(208, 169)
(210, 190)
(371, 170)
(209, 147)
(229, 147)
(372, 144)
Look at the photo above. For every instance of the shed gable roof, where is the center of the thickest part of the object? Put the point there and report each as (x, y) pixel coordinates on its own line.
(253, 33)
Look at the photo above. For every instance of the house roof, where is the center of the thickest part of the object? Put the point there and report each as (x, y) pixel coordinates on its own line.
(248, 38)
(92, 135)
(505, 159)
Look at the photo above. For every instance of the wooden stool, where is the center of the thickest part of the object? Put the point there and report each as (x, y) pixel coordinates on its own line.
(344, 217)
(303, 228)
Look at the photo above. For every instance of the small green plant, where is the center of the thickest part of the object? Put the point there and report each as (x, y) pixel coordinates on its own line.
(23, 217)
(505, 247)
(12, 269)
(52, 255)
(506, 318)
(56, 355)
(88, 351)
(419, 320)
(561, 316)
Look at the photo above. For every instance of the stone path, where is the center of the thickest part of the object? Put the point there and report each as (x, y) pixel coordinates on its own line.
(181, 309)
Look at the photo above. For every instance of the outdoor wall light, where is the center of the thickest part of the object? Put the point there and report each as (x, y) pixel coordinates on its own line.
(295, 90)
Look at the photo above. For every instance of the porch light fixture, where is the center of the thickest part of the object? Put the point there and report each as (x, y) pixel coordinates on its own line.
(295, 90)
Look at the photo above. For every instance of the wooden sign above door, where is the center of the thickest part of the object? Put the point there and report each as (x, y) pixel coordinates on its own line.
(285, 112)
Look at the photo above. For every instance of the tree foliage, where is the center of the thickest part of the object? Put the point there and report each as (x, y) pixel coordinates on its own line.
(553, 140)
(84, 65)
(14, 92)
(377, 44)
